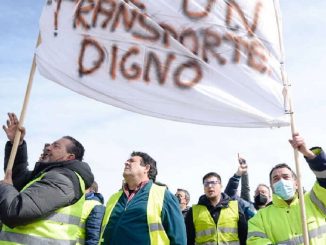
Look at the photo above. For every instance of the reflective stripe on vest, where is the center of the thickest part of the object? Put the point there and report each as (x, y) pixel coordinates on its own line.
(154, 209)
(220, 243)
(317, 202)
(320, 174)
(156, 227)
(207, 232)
(312, 234)
(296, 240)
(8, 238)
(256, 234)
(63, 226)
(212, 231)
(226, 230)
(64, 218)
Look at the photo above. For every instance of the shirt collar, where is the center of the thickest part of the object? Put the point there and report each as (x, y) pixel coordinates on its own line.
(131, 193)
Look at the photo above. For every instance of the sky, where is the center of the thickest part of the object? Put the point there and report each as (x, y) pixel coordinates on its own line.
(184, 152)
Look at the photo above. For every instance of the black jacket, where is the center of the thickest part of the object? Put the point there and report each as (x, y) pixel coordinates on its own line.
(58, 188)
(215, 213)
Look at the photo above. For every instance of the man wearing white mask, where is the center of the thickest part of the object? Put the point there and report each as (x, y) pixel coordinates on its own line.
(280, 222)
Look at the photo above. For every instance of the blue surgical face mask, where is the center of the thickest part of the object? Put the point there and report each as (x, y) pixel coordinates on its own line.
(284, 189)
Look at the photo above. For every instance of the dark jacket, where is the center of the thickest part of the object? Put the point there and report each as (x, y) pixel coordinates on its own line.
(233, 184)
(94, 220)
(245, 189)
(185, 211)
(215, 213)
(58, 188)
(231, 190)
(318, 165)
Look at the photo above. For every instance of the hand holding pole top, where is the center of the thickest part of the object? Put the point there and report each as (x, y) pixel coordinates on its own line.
(12, 126)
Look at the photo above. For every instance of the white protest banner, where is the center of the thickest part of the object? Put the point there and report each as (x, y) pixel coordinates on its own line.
(209, 62)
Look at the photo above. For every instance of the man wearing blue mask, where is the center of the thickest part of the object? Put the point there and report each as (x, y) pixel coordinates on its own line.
(280, 222)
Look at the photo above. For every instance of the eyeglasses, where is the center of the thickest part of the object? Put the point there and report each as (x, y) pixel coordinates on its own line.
(213, 183)
(179, 195)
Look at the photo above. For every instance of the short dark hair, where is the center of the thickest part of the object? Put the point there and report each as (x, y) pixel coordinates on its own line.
(75, 148)
(147, 160)
(281, 165)
(187, 195)
(212, 174)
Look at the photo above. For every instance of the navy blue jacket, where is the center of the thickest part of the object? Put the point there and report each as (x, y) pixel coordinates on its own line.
(318, 165)
(231, 190)
(94, 220)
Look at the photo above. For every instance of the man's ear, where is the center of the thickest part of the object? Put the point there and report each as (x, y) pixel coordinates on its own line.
(147, 167)
(296, 185)
(71, 157)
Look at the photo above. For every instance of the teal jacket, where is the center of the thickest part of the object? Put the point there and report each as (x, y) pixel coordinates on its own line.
(128, 221)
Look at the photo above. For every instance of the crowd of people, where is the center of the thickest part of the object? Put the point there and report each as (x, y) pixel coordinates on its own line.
(58, 202)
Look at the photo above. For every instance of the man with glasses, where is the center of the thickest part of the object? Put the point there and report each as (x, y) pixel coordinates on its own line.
(216, 219)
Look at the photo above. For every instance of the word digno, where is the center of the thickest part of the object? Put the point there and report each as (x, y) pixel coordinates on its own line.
(203, 43)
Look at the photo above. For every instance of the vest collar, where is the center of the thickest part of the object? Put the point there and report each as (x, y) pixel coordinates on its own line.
(279, 202)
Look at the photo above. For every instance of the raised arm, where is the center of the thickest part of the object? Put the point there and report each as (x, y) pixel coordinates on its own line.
(11, 128)
(298, 143)
(20, 172)
(53, 191)
(245, 189)
(233, 184)
(315, 157)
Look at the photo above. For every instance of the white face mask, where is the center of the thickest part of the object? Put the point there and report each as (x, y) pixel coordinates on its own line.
(284, 189)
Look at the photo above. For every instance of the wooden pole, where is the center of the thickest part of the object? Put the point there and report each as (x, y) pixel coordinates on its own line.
(300, 187)
(293, 129)
(23, 111)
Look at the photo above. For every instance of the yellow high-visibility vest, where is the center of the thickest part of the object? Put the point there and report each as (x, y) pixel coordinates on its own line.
(157, 233)
(61, 227)
(87, 209)
(224, 232)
